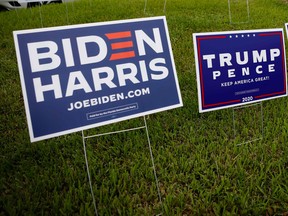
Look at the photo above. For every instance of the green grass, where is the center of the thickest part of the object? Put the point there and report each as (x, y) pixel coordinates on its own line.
(201, 169)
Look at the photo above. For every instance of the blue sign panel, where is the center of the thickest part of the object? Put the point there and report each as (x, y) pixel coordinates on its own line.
(83, 76)
(239, 67)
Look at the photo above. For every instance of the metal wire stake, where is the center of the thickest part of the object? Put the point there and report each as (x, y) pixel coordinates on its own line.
(88, 173)
(67, 17)
(145, 6)
(153, 164)
(262, 122)
(230, 18)
(248, 14)
(40, 16)
(164, 9)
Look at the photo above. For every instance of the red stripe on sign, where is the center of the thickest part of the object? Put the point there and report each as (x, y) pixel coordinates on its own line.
(270, 34)
(122, 45)
(283, 61)
(118, 35)
(223, 103)
(268, 95)
(212, 37)
(201, 69)
(122, 55)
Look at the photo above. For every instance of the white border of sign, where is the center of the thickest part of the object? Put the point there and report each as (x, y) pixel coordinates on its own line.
(198, 69)
(32, 137)
(286, 28)
(28, 1)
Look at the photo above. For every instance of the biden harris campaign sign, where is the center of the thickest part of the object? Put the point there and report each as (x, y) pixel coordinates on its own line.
(239, 67)
(82, 76)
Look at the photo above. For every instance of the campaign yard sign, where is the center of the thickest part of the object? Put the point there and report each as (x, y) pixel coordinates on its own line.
(82, 76)
(239, 67)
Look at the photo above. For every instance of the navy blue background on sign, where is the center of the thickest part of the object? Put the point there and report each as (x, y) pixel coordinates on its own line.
(51, 116)
(225, 91)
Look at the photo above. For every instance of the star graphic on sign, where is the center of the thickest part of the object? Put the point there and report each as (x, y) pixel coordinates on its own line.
(242, 35)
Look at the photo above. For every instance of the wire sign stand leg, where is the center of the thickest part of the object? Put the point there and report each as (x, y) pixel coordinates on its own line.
(239, 11)
(165, 3)
(84, 138)
(153, 164)
(146, 4)
(88, 173)
(247, 126)
(41, 16)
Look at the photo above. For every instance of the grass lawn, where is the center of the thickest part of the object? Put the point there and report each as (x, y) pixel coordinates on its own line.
(200, 167)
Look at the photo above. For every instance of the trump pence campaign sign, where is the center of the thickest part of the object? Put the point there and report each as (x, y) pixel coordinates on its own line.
(82, 76)
(239, 67)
